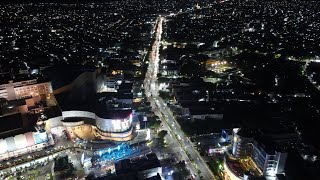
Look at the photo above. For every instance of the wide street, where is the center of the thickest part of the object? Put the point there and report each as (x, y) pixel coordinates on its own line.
(188, 152)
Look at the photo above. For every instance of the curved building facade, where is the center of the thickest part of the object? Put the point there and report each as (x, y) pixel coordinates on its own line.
(240, 144)
(229, 174)
(76, 94)
(114, 124)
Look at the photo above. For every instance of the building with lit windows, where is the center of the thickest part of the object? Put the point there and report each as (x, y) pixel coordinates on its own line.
(261, 155)
(109, 118)
(115, 123)
(269, 161)
(26, 88)
(23, 144)
(22, 103)
(112, 125)
(108, 115)
(241, 143)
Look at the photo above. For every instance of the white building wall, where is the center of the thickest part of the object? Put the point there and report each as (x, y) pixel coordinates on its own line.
(113, 125)
(86, 114)
(106, 125)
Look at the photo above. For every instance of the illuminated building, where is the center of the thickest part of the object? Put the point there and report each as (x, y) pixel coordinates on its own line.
(261, 152)
(270, 162)
(240, 144)
(217, 66)
(82, 103)
(112, 125)
(111, 119)
(168, 69)
(27, 88)
(232, 169)
(22, 98)
(22, 144)
(112, 82)
(115, 123)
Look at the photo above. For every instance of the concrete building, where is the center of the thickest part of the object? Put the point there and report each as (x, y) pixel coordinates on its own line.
(241, 143)
(196, 110)
(112, 82)
(262, 152)
(270, 162)
(141, 168)
(26, 88)
(79, 97)
(22, 103)
(23, 144)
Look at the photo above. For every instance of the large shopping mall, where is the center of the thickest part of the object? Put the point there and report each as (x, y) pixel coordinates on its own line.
(69, 105)
(105, 115)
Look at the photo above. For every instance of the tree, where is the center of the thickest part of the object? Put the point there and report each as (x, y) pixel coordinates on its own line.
(181, 167)
(153, 123)
(216, 166)
(81, 173)
(164, 95)
(192, 69)
(163, 80)
(90, 176)
(161, 144)
(162, 134)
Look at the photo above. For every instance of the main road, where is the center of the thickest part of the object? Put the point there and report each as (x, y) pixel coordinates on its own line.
(188, 152)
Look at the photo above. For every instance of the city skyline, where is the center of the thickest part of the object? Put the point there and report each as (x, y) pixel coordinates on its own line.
(161, 89)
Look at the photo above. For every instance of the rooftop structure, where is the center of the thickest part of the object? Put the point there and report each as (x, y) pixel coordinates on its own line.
(141, 168)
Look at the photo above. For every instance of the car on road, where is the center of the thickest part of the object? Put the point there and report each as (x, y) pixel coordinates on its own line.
(179, 137)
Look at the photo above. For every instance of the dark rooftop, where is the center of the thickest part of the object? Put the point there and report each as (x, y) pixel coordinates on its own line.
(61, 164)
(64, 74)
(141, 164)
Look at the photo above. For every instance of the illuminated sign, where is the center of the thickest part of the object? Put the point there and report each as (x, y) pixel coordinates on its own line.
(116, 124)
(130, 118)
(82, 158)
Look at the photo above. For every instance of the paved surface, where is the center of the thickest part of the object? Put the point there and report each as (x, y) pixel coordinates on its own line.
(161, 109)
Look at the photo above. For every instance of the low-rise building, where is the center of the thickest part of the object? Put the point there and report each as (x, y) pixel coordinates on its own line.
(141, 168)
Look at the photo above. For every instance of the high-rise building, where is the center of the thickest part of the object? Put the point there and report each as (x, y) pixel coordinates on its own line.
(262, 151)
(241, 143)
(270, 162)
